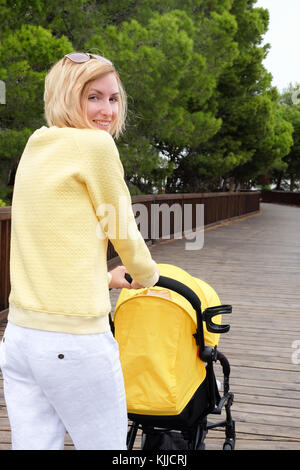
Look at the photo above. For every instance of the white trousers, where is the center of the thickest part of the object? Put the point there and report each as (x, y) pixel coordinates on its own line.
(55, 382)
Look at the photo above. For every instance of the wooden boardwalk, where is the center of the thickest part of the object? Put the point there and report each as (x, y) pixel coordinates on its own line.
(254, 265)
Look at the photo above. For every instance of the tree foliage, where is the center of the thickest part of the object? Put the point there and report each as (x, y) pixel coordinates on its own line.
(25, 55)
(202, 110)
(285, 173)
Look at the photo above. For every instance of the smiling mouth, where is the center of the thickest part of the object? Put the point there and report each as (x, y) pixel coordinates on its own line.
(98, 122)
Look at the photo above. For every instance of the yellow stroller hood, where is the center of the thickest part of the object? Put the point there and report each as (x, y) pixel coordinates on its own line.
(154, 328)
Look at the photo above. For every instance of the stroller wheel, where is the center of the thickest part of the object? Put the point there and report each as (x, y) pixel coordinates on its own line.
(228, 445)
(143, 440)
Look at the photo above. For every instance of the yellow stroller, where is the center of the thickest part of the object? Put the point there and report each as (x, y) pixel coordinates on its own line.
(168, 344)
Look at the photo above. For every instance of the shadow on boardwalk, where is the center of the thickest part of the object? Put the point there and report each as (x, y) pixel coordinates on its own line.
(254, 265)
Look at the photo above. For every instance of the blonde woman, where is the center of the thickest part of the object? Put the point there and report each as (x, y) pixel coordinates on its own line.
(59, 360)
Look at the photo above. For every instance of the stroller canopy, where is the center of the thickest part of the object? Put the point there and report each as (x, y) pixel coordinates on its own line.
(154, 328)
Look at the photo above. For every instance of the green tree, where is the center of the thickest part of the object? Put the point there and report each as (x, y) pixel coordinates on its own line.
(258, 124)
(286, 173)
(77, 20)
(25, 55)
(167, 64)
(201, 105)
(253, 134)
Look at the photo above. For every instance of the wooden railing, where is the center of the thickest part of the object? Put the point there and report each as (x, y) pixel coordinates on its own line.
(5, 224)
(281, 197)
(217, 207)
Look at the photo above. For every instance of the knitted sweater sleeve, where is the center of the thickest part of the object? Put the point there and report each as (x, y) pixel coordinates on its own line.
(103, 175)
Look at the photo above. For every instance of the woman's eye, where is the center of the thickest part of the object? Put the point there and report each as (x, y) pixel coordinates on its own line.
(113, 99)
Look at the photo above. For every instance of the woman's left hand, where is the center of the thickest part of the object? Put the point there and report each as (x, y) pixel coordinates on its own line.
(118, 280)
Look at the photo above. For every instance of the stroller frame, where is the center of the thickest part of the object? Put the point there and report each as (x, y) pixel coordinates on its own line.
(195, 433)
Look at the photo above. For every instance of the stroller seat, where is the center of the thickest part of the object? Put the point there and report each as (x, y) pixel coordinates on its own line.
(166, 352)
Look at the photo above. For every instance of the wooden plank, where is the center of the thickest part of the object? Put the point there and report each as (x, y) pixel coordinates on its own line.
(259, 399)
(3, 315)
(254, 390)
(254, 265)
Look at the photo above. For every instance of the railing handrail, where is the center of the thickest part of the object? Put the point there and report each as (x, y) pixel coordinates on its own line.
(218, 206)
(279, 191)
(281, 197)
(159, 197)
(5, 213)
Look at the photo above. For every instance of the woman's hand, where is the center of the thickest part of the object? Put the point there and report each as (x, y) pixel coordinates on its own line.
(118, 280)
(136, 285)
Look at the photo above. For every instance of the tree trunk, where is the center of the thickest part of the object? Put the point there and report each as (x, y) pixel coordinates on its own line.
(278, 182)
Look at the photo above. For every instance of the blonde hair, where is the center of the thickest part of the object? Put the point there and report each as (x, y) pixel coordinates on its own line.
(66, 93)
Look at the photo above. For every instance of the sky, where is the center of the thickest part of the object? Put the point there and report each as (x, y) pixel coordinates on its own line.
(283, 60)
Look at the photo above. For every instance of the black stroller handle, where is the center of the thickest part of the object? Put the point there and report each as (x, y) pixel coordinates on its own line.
(194, 300)
(176, 286)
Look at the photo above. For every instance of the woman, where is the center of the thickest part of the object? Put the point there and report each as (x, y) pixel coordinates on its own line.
(59, 360)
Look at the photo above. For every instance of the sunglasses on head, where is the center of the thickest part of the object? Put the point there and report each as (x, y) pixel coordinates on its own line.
(81, 57)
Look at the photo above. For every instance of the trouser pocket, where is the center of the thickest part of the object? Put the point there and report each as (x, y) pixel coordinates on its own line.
(2, 353)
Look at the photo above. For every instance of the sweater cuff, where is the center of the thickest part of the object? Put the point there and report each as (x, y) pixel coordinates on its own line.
(151, 281)
(109, 278)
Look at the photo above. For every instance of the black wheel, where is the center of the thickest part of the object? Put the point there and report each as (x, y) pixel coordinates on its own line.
(143, 440)
(228, 446)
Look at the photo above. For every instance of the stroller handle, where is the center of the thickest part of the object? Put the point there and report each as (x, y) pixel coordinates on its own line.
(194, 300)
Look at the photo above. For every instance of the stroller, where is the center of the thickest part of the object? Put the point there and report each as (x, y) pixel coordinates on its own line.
(168, 344)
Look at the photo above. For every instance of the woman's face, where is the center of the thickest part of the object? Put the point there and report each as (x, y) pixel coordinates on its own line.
(103, 101)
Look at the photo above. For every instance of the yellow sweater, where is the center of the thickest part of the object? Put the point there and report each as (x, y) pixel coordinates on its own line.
(69, 198)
